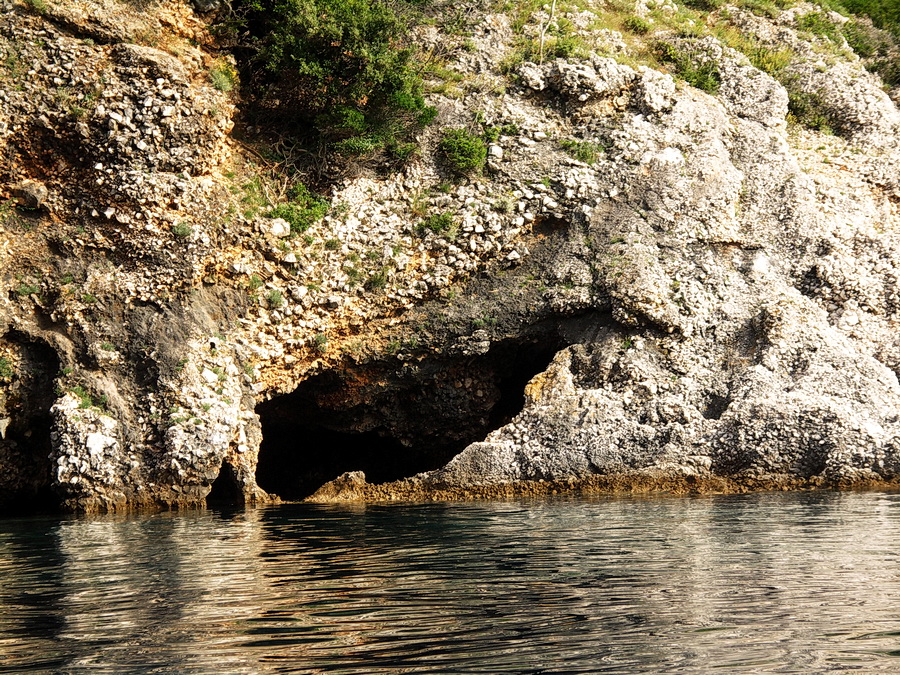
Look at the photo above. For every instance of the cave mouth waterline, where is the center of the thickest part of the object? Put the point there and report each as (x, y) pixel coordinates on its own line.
(393, 421)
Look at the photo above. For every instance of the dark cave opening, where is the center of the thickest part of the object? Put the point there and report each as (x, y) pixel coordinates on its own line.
(225, 488)
(392, 422)
(25, 441)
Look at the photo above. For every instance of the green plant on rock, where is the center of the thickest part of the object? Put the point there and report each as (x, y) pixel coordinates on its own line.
(274, 299)
(637, 25)
(39, 6)
(182, 230)
(885, 14)
(701, 74)
(462, 151)
(378, 279)
(439, 223)
(6, 369)
(223, 77)
(583, 151)
(879, 48)
(320, 342)
(302, 210)
(86, 400)
(818, 23)
(342, 67)
(807, 109)
(27, 289)
(254, 283)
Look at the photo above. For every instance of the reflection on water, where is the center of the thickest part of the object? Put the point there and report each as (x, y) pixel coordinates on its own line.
(765, 583)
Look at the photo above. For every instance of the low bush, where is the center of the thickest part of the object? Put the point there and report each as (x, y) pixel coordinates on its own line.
(808, 110)
(818, 23)
(342, 67)
(6, 369)
(223, 77)
(878, 48)
(583, 151)
(303, 209)
(703, 75)
(637, 25)
(439, 223)
(182, 230)
(884, 13)
(464, 152)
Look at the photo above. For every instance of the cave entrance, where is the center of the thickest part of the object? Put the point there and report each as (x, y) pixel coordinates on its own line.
(225, 488)
(392, 422)
(27, 393)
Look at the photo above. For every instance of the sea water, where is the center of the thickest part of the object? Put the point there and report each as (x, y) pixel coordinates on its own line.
(767, 583)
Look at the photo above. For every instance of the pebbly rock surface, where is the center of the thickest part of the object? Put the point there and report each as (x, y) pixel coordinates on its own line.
(715, 289)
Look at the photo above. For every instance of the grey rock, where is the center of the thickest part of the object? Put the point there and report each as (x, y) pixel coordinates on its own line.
(30, 194)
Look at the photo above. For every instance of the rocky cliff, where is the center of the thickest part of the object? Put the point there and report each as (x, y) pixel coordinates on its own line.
(651, 285)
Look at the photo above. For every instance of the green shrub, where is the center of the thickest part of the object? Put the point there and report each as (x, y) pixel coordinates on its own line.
(637, 25)
(377, 280)
(763, 7)
(884, 13)
(705, 5)
(861, 39)
(223, 77)
(439, 223)
(583, 151)
(878, 48)
(86, 400)
(39, 6)
(464, 152)
(182, 230)
(274, 299)
(818, 23)
(344, 67)
(766, 59)
(6, 369)
(303, 209)
(703, 75)
(27, 289)
(808, 110)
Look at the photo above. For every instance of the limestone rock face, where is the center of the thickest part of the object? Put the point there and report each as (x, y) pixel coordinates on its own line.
(716, 290)
(730, 352)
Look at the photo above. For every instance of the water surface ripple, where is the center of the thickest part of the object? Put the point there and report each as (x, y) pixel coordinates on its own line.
(791, 583)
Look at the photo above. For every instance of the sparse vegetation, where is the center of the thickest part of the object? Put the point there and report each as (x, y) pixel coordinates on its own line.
(637, 25)
(701, 74)
(38, 6)
(463, 152)
(86, 400)
(26, 288)
(182, 230)
(342, 67)
(807, 109)
(583, 151)
(378, 279)
(439, 223)
(885, 14)
(320, 342)
(6, 369)
(223, 77)
(302, 210)
(274, 299)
